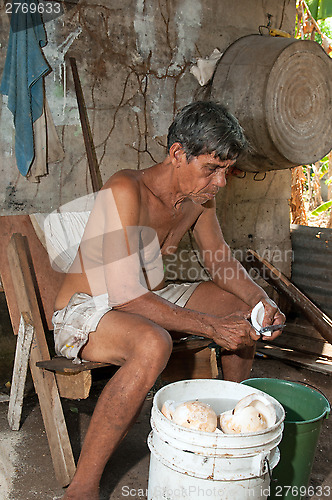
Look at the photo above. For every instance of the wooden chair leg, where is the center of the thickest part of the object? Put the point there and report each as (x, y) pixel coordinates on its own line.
(53, 417)
(22, 353)
(214, 363)
(44, 382)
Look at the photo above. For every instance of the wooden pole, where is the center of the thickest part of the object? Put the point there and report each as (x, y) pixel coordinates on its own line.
(87, 135)
(22, 354)
(330, 187)
(269, 273)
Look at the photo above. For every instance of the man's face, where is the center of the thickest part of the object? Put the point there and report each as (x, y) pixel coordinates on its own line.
(203, 176)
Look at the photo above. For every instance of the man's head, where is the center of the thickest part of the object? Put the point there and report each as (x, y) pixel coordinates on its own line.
(207, 127)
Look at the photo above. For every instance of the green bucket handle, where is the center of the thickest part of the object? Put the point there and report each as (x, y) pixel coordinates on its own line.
(328, 409)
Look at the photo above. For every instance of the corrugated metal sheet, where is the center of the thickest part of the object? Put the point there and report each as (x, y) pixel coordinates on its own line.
(312, 264)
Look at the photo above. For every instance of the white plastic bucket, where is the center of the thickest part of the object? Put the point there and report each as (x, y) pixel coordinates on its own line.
(189, 464)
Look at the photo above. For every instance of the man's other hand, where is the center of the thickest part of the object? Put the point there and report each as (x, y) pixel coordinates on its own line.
(234, 331)
(272, 316)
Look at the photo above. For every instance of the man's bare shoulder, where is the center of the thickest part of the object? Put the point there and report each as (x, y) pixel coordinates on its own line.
(124, 184)
(124, 189)
(124, 179)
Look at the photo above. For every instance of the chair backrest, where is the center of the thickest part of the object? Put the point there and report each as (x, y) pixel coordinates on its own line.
(47, 279)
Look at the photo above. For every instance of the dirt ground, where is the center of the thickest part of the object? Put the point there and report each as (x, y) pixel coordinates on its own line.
(26, 471)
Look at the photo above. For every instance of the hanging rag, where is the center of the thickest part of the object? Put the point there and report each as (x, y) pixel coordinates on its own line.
(22, 79)
(48, 148)
(204, 68)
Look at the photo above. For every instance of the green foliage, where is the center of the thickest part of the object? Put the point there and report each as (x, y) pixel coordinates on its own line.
(322, 208)
(324, 167)
(320, 9)
(324, 23)
(325, 27)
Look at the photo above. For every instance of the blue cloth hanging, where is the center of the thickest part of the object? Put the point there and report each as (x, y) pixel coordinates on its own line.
(22, 79)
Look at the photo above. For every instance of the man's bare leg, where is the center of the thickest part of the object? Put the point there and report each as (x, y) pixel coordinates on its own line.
(236, 366)
(143, 349)
(211, 299)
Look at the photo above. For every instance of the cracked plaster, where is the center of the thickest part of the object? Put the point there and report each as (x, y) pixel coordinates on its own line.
(133, 60)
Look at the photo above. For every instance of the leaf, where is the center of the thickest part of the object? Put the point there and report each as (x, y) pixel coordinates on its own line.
(322, 208)
(323, 169)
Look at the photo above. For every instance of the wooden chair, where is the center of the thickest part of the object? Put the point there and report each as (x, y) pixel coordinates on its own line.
(31, 285)
(32, 348)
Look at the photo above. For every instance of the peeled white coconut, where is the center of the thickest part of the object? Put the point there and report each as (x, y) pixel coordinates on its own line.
(168, 409)
(195, 415)
(257, 316)
(248, 420)
(253, 413)
(262, 404)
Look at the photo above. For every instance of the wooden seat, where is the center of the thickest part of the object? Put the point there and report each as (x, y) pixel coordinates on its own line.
(31, 286)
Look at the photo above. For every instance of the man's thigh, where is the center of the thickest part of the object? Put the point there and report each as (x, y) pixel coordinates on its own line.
(211, 299)
(117, 336)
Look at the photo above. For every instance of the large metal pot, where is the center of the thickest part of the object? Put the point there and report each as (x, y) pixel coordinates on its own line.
(280, 89)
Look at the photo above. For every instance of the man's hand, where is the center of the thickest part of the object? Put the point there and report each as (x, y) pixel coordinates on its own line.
(272, 316)
(234, 331)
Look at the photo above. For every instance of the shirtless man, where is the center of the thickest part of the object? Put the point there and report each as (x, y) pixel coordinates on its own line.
(115, 308)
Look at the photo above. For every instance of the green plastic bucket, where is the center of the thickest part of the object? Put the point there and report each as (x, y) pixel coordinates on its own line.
(305, 409)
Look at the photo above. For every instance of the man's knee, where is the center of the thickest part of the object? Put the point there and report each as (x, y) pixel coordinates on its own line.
(211, 299)
(154, 346)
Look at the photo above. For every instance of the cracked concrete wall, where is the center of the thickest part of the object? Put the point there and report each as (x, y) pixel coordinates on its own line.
(254, 213)
(133, 59)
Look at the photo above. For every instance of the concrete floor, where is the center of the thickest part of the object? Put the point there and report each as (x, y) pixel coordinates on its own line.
(26, 471)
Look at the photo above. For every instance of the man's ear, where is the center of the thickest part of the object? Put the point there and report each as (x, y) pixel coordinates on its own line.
(177, 153)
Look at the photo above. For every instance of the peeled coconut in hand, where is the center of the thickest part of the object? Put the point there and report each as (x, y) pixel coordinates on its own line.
(253, 413)
(191, 414)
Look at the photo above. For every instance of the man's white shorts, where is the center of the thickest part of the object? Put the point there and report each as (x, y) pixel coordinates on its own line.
(73, 323)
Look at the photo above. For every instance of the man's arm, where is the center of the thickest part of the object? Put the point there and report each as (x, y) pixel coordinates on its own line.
(227, 272)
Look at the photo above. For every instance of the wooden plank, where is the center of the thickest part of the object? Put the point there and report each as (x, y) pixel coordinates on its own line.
(44, 381)
(301, 339)
(64, 365)
(190, 344)
(275, 277)
(214, 363)
(73, 380)
(22, 354)
(96, 179)
(316, 364)
(189, 364)
(49, 281)
(304, 329)
(74, 386)
(298, 346)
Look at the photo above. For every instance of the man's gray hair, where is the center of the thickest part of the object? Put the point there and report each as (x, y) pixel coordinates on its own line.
(207, 127)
